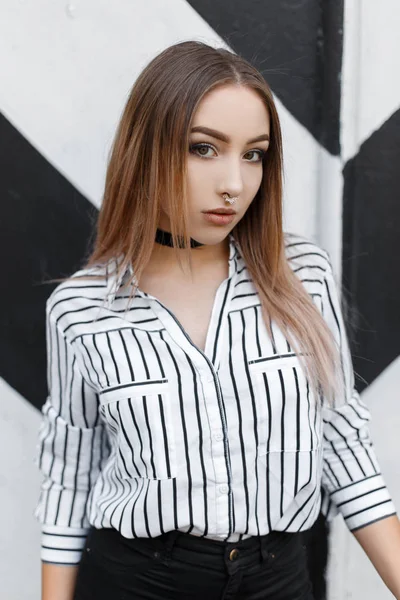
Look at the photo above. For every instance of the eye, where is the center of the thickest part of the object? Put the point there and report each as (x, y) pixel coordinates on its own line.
(202, 151)
(198, 149)
(260, 153)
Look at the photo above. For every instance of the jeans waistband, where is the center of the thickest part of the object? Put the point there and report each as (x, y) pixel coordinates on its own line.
(234, 554)
(190, 548)
(210, 546)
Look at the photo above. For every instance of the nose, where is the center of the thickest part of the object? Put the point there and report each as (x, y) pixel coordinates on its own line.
(232, 180)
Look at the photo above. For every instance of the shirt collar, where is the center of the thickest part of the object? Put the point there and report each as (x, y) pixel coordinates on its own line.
(115, 279)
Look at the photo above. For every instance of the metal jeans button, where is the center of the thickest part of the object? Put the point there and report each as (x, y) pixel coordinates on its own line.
(234, 554)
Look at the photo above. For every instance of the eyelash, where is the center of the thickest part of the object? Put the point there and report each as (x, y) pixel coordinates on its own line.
(194, 147)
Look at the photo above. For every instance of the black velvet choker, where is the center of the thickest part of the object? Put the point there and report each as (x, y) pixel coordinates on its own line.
(165, 239)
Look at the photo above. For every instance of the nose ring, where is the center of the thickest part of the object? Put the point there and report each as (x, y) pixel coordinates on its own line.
(230, 199)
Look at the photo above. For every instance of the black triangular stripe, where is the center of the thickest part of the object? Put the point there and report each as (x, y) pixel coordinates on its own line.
(298, 48)
(371, 261)
(45, 226)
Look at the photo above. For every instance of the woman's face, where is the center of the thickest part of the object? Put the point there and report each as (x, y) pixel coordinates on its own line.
(225, 158)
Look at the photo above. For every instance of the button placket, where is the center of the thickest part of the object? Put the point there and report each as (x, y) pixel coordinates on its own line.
(222, 512)
(208, 372)
(213, 412)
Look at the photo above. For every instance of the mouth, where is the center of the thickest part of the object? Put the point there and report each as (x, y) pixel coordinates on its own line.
(219, 216)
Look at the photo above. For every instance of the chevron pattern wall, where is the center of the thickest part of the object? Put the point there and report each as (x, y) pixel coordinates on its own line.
(65, 72)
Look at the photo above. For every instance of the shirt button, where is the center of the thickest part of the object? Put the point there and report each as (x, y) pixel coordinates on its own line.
(223, 489)
(218, 437)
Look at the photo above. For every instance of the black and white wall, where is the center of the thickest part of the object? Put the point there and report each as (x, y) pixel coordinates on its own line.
(65, 72)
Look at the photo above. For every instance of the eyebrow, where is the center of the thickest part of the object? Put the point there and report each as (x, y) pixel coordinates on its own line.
(225, 138)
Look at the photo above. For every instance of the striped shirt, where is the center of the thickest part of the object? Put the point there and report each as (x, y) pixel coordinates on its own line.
(144, 432)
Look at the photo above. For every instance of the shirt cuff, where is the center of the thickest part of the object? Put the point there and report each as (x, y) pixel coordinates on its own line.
(62, 545)
(364, 502)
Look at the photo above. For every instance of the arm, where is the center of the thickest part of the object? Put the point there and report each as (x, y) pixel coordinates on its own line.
(381, 543)
(351, 477)
(58, 582)
(69, 453)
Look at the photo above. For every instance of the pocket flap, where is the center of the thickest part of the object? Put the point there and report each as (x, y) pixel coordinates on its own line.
(133, 388)
(274, 362)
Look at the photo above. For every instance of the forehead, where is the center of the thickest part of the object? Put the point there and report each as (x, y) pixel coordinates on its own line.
(233, 109)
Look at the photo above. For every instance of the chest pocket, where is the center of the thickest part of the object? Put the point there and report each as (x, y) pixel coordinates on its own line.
(287, 415)
(139, 419)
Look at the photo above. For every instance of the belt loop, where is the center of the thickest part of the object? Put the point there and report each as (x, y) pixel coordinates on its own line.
(171, 539)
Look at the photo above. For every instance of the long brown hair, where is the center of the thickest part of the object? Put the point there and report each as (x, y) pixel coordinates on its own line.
(147, 166)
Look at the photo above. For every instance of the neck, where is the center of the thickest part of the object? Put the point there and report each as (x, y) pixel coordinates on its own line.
(202, 257)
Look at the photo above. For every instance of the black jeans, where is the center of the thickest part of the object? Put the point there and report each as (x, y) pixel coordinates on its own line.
(182, 566)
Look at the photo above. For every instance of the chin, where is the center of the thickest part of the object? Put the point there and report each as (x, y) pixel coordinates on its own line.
(211, 238)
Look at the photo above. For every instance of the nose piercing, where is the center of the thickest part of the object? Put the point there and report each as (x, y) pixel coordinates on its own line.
(229, 198)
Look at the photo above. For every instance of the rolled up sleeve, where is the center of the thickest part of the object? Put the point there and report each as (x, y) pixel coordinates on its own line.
(352, 480)
(71, 446)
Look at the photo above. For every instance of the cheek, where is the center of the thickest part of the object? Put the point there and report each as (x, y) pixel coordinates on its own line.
(256, 176)
(200, 183)
(198, 173)
(252, 180)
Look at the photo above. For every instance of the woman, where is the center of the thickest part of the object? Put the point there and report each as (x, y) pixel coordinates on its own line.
(200, 381)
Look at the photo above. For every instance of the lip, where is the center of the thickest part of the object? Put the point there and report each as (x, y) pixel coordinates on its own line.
(219, 218)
